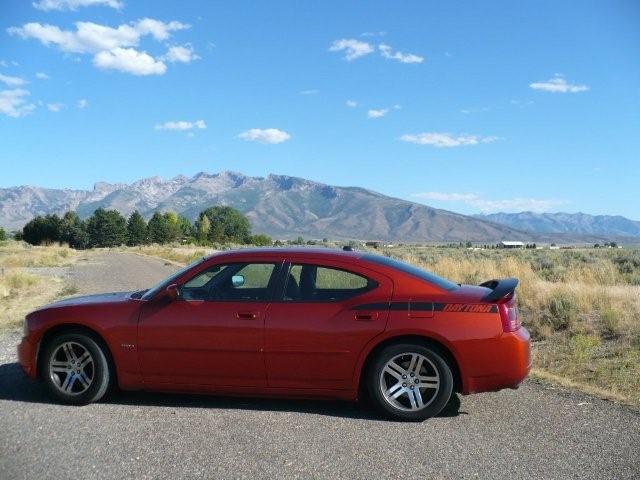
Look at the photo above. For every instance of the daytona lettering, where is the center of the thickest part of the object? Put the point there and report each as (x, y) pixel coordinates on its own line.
(467, 308)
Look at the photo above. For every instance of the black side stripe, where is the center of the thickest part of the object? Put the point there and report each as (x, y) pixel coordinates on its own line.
(419, 306)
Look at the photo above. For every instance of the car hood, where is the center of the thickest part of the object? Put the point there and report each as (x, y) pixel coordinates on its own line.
(85, 300)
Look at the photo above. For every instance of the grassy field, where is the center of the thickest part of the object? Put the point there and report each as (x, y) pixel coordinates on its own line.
(22, 290)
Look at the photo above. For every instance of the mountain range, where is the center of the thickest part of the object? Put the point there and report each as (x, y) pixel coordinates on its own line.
(568, 223)
(286, 207)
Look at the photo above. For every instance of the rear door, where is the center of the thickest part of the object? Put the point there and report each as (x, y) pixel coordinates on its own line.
(325, 314)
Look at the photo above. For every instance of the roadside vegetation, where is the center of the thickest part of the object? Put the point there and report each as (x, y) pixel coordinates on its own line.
(22, 287)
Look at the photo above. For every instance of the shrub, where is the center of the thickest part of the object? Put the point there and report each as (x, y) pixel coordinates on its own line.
(610, 320)
(561, 312)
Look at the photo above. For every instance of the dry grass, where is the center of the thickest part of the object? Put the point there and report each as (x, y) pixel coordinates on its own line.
(20, 254)
(22, 291)
(182, 254)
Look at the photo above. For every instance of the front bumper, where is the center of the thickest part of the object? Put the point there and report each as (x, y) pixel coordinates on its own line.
(27, 357)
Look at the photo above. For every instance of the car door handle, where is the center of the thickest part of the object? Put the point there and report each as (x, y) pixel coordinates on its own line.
(247, 315)
(366, 316)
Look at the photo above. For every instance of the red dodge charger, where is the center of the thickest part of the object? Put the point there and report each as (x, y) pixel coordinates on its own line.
(308, 323)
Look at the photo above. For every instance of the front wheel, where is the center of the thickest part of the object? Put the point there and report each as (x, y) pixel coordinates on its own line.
(75, 369)
(409, 382)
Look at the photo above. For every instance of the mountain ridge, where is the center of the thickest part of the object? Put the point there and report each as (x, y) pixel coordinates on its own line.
(282, 206)
(567, 223)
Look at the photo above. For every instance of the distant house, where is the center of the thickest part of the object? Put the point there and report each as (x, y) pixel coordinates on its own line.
(511, 244)
(374, 244)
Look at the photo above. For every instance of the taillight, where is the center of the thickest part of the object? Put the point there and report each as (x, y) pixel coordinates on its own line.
(509, 315)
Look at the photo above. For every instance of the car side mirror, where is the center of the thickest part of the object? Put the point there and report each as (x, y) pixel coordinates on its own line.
(172, 292)
(237, 280)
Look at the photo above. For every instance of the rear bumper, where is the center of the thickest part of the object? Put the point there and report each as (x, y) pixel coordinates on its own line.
(27, 357)
(512, 358)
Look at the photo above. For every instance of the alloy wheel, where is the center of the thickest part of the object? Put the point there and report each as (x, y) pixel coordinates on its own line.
(409, 382)
(71, 368)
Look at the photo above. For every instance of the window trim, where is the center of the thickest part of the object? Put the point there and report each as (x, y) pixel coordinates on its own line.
(283, 279)
(272, 287)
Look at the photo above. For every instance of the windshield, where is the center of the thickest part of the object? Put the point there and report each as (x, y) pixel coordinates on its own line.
(412, 270)
(149, 294)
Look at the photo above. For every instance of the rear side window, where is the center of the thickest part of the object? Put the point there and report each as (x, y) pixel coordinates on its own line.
(315, 283)
(412, 270)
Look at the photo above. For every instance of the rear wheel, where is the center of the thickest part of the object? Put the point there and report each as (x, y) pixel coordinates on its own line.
(75, 369)
(409, 382)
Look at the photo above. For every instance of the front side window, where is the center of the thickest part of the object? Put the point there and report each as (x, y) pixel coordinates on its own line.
(232, 282)
(314, 283)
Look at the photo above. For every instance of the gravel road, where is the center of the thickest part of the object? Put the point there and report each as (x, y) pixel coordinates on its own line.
(538, 431)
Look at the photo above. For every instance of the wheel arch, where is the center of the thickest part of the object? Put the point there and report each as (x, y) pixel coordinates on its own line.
(64, 328)
(416, 338)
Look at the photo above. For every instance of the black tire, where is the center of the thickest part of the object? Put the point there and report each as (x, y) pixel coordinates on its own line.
(100, 370)
(436, 364)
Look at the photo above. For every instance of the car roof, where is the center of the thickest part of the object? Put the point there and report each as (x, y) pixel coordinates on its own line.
(327, 253)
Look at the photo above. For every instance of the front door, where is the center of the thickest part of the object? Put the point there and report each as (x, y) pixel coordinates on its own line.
(315, 332)
(213, 333)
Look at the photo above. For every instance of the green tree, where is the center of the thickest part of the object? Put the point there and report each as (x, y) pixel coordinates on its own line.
(261, 240)
(203, 227)
(137, 233)
(42, 230)
(3, 234)
(174, 231)
(158, 228)
(187, 231)
(227, 225)
(106, 228)
(73, 231)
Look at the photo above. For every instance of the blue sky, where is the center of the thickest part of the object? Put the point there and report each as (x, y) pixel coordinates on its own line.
(468, 106)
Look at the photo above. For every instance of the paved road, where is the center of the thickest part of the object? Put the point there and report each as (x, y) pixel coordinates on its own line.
(538, 431)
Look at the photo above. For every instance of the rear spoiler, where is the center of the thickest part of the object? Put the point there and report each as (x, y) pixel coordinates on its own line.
(499, 288)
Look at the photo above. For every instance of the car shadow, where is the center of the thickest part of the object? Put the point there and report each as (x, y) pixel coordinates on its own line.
(17, 387)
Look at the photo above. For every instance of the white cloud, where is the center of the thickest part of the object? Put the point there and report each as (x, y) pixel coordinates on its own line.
(373, 113)
(112, 47)
(485, 205)
(381, 112)
(82, 103)
(469, 111)
(129, 60)
(442, 140)
(55, 107)
(42, 76)
(268, 135)
(181, 125)
(312, 91)
(351, 103)
(387, 52)
(14, 104)
(75, 4)
(447, 197)
(558, 84)
(12, 81)
(352, 48)
(180, 53)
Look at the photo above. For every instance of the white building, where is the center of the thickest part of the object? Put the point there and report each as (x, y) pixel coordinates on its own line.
(511, 244)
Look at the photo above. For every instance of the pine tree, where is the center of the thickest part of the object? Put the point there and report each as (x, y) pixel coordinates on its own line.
(137, 230)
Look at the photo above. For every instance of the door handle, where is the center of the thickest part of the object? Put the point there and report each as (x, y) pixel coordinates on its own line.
(366, 316)
(247, 315)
